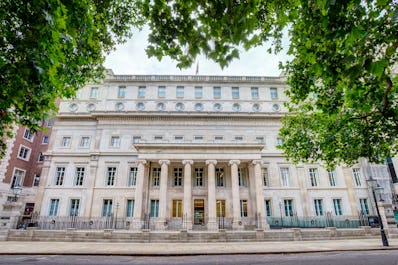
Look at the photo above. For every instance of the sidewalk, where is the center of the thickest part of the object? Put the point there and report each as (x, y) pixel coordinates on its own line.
(152, 249)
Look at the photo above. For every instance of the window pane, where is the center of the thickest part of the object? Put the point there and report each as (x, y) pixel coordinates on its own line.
(198, 92)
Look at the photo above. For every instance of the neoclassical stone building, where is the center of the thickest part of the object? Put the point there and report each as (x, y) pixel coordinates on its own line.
(186, 150)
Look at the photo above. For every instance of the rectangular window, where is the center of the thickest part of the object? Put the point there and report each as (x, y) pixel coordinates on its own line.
(198, 92)
(161, 92)
(178, 138)
(313, 176)
(133, 176)
(177, 175)
(220, 178)
(158, 138)
(274, 92)
(28, 135)
(243, 208)
(318, 204)
(36, 180)
(41, 157)
(279, 141)
(288, 207)
(130, 208)
(199, 181)
(264, 173)
(235, 92)
(337, 207)
(17, 178)
(356, 172)
(107, 208)
(156, 176)
(285, 179)
(154, 208)
(242, 177)
(177, 208)
(115, 141)
(180, 92)
(254, 92)
(94, 92)
(85, 142)
(238, 138)
(53, 211)
(218, 138)
(74, 207)
(79, 176)
(136, 139)
(332, 178)
(220, 204)
(45, 139)
(59, 176)
(50, 123)
(121, 92)
(268, 208)
(217, 92)
(141, 91)
(364, 206)
(66, 141)
(198, 138)
(110, 176)
(260, 139)
(24, 152)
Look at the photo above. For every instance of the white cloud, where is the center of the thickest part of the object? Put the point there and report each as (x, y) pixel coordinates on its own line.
(130, 58)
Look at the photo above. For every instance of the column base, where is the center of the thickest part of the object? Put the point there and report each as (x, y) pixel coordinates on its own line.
(237, 225)
(188, 225)
(263, 224)
(212, 225)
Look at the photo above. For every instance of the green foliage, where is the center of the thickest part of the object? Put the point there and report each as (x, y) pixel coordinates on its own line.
(49, 49)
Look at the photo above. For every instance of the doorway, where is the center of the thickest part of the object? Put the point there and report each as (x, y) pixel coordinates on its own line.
(198, 212)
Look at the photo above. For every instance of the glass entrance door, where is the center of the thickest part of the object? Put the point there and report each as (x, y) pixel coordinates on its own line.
(199, 212)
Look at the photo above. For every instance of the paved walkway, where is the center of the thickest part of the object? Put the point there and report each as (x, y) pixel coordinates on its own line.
(151, 249)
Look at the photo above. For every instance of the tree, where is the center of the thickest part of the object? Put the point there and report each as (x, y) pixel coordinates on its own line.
(49, 49)
(343, 92)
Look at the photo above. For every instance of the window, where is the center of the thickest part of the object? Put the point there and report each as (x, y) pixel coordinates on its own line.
(94, 92)
(132, 176)
(217, 92)
(198, 138)
(198, 106)
(130, 208)
(274, 92)
(28, 135)
(158, 137)
(178, 138)
(236, 107)
(177, 176)
(53, 211)
(238, 138)
(288, 207)
(73, 107)
(107, 208)
(364, 206)
(243, 208)
(217, 107)
(220, 208)
(66, 141)
(337, 207)
(110, 176)
(260, 139)
(235, 92)
(161, 106)
(154, 208)
(313, 176)
(36, 180)
(180, 92)
(74, 207)
(279, 141)
(218, 138)
(180, 106)
(156, 176)
(332, 178)
(318, 207)
(45, 139)
(357, 176)
(121, 92)
(79, 176)
(254, 92)
(50, 123)
(41, 157)
(242, 177)
(136, 139)
(140, 106)
(24, 152)
(199, 182)
(17, 178)
(198, 92)
(264, 173)
(161, 92)
(256, 107)
(115, 141)
(59, 176)
(285, 176)
(141, 91)
(268, 208)
(85, 142)
(220, 180)
(177, 208)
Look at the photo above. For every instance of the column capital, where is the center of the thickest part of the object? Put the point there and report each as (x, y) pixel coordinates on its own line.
(164, 162)
(257, 162)
(141, 161)
(237, 162)
(185, 162)
(211, 162)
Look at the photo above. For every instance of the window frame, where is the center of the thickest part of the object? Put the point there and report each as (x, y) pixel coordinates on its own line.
(121, 92)
(24, 152)
(235, 92)
(28, 135)
(59, 176)
(111, 174)
(80, 173)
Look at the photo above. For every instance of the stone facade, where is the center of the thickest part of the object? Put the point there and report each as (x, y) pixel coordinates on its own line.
(186, 149)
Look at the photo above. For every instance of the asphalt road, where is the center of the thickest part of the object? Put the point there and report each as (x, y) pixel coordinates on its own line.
(384, 257)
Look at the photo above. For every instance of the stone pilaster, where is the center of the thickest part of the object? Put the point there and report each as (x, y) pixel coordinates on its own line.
(139, 189)
(237, 222)
(211, 201)
(187, 205)
(164, 167)
(260, 208)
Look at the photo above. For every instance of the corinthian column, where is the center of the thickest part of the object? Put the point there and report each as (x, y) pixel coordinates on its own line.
(187, 205)
(139, 190)
(258, 182)
(236, 223)
(211, 194)
(163, 191)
